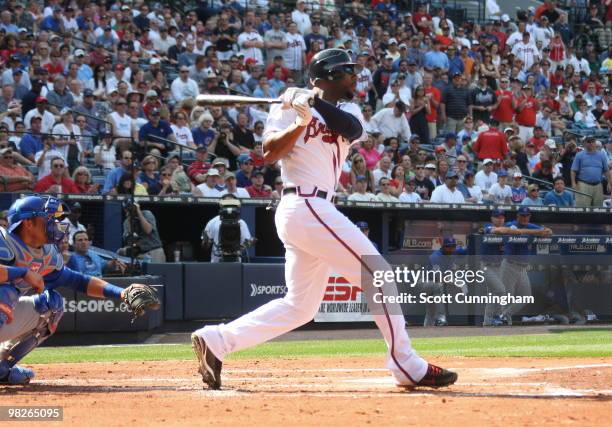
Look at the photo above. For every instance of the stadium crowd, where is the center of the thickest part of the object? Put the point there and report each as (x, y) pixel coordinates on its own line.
(99, 98)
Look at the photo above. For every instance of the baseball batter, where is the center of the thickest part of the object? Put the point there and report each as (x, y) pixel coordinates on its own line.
(311, 144)
(30, 260)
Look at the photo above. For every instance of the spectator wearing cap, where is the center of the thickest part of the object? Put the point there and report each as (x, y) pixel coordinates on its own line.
(53, 22)
(209, 187)
(91, 110)
(526, 109)
(500, 192)
(112, 83)
(559, 196)
(156, 128)
(409, 195)
(184, 87)
(13, 177)
(483, 100)
(381, 79)
(198, 168)
(491, 144)
(126, 166)
(258, 189)
(243, 176)
(360, 193)
(364, 227)
(392, 122)
(448, 192)
(485, 178)
(231, 188)
(32, 142)
(589, 167)
(8, 75)
(526, 51)
(455, 104)
(48, 119)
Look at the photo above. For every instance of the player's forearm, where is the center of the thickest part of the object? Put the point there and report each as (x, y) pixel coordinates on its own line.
(99, 288)
(279, 144)
(8, 273)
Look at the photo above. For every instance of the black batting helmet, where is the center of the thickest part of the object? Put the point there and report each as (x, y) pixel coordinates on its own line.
(329, 64)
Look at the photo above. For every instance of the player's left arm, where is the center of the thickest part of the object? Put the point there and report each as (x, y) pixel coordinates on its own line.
(339, 121)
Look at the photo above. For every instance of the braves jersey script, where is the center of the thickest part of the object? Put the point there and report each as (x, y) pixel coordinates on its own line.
(16, 253)
(318, 154)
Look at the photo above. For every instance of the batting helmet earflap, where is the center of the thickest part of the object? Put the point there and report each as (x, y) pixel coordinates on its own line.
(326, 62)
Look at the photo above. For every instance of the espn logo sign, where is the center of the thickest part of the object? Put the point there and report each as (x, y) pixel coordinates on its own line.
(339, 289)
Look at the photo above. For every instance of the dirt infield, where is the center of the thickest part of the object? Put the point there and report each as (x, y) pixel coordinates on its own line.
(326, 391)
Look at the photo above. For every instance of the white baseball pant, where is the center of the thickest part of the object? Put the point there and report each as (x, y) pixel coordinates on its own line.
(317, 237)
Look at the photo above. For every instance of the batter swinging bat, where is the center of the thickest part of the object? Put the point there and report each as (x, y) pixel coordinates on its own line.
(230, 100)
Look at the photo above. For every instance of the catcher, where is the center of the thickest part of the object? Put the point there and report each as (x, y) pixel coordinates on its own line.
(30, 261)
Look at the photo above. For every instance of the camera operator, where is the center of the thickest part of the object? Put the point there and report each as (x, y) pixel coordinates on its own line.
(140, 234)
(228, 247)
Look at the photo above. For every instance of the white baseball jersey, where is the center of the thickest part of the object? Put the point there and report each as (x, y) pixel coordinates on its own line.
(293, 55)
(318, 154)
(364, 80)
(528, 53)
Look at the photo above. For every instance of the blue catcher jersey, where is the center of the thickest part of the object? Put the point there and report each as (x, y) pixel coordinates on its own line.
(16, 253)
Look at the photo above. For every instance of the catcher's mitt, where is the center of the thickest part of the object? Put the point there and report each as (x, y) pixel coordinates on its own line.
(139, 298)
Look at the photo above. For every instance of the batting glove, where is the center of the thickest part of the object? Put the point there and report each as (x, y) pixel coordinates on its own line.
(302, 107)
(292, 93)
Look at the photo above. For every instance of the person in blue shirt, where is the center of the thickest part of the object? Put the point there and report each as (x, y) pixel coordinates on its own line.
(442, 259)
(588, 167)
(365, 229)
(204, 134)
(434, 58)
(559, 196)
(112, 179)
(32, 143)
(455, 64)
(513, 271)
(160, 128)
(492, 255)
(85, 261)
(53, 22)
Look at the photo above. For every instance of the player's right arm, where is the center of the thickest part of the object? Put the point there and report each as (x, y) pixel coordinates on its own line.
(278, 144)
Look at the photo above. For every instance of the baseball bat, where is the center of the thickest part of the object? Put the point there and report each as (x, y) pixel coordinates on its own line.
(231, 100)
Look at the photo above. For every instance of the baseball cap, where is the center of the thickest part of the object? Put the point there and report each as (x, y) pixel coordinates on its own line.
(550, 143)
(498, 212)
(508, 130)
(243, 158)
(360, 178)
(150, 93)
(201, 148)
(505, 18)
(532, 187)
(257, 172)
(17, 71)
(456, 74)
(79, 52)
(524, 210)
(88, 92)
(229, 175)
(219, 162)
(487, 161)
(212, 172)
(154, 61)
(440, 149)
(517, 175)
(415, 137)
(392, 41)
(430, 166)
(451, 174)
(41, 99)
(403, 46)
(449, 241)
(362, 225)
(451, 135)
(502, 173)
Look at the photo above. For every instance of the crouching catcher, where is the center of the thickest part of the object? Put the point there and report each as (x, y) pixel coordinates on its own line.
(31, 269)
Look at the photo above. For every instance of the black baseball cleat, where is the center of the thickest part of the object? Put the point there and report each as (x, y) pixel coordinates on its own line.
(209, 365)
(435, 377)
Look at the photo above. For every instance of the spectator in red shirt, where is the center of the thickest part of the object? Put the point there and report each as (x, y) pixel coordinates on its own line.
(56, 181)
(198, 168)
(538, 138)
(277, 62)
(422, 20)
(503, 110)
(434, 95)
(257, 188)
(558, 77)
(491, 144)
(257, 155)
(526, 110)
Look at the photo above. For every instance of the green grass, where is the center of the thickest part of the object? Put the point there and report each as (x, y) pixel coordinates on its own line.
(583, 343)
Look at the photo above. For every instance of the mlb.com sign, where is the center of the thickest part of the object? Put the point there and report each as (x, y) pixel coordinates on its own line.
(342, 302)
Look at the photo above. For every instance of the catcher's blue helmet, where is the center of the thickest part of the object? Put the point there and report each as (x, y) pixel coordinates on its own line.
(35, 206)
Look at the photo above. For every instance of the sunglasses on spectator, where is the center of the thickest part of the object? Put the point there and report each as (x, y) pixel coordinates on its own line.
(7, 157)
(127, 158)
(278, 183)
(58, 166)
(461, 161)
(81, 173)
